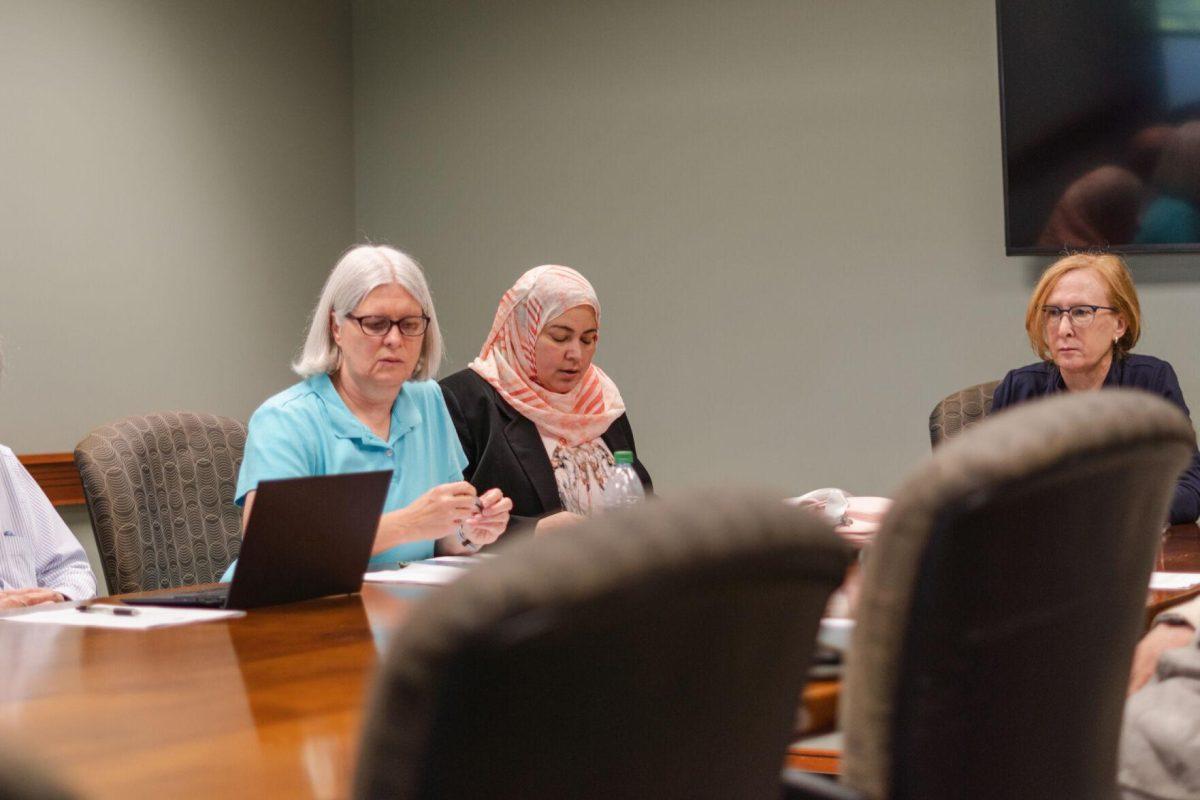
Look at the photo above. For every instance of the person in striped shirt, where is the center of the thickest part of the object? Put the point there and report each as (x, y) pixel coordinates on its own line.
(41, 561)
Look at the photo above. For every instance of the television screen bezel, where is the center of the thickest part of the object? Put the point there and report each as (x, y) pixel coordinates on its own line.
(1041, 250)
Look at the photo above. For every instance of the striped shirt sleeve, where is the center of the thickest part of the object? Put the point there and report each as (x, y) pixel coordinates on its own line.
(37, 549)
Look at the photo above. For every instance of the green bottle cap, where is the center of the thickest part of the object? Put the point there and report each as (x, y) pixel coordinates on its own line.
(623, 456)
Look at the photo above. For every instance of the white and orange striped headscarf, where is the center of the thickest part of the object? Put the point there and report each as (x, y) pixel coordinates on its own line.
(507, 361)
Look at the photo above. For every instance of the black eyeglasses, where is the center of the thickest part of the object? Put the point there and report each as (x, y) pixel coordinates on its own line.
(1080, 316)
(373, 325)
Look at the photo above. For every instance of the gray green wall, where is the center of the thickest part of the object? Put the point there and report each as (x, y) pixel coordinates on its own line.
(177, 180)
(792, 211)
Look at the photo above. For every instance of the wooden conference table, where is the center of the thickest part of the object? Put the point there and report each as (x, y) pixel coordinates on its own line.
(270, 704)
(267, 705)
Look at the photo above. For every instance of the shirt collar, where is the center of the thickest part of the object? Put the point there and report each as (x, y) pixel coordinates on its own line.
(1115, 370)
(1113, 378)
(405, 415)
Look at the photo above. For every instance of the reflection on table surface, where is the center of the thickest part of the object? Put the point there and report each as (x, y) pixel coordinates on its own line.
(1180, 552)
(269, 703)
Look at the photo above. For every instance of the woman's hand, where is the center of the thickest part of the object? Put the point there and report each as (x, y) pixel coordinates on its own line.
(485, 525)
(433, 515)
(556, 522)
(1159, 640)
(490, 518)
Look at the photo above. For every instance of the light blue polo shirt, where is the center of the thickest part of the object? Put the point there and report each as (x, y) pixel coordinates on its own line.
(308, 430)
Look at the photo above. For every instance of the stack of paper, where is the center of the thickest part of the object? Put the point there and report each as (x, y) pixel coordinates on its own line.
(430, 572)
(128, 618)
(1174, 581)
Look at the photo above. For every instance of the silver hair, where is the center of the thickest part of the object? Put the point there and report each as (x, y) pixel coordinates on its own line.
(359, 271)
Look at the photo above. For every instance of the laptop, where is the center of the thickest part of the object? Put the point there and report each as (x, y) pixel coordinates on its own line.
(306, 538)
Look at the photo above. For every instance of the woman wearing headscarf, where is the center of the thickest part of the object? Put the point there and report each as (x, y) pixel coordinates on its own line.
(536, 418)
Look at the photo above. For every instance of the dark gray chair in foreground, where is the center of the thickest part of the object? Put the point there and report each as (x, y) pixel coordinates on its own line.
(160, 491)
(959, 411)
(1001, 603)
(21, 779)
(655, 654)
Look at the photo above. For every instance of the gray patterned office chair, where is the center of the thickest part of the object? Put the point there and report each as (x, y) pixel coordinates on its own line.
(654, 654)
(958, 411)
(160, 490)
(1001, 603)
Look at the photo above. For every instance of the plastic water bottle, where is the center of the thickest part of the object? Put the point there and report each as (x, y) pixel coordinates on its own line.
(624, 487)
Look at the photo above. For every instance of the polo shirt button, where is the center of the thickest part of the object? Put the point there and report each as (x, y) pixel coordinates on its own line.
(390, 453)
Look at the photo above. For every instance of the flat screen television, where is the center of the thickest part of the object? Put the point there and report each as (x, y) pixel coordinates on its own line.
(1100, 117)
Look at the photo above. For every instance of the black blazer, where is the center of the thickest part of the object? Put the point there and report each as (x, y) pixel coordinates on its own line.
(505, 450)
(1135, 370)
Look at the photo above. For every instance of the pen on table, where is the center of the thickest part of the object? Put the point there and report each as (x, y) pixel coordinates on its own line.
(117, 611)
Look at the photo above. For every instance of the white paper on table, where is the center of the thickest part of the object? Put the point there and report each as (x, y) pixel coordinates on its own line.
(1166, 581)
(431, 572)
(143, 617)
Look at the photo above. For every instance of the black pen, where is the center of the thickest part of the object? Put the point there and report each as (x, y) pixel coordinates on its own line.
(119, 611)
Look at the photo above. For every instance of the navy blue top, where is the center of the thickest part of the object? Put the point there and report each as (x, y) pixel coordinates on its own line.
(1142, 372)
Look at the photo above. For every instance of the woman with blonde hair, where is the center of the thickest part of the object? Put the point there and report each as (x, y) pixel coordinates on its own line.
(1083, 320)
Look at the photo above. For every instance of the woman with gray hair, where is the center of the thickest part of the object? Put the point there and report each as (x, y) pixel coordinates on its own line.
(367, 402)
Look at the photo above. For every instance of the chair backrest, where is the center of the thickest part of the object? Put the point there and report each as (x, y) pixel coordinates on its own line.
(958, 411)
(23, 779)
(658, 653)
(1002, 600)
(160, 490)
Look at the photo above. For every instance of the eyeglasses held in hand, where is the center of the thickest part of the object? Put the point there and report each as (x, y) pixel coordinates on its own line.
(381, 326)
(1080, 316)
